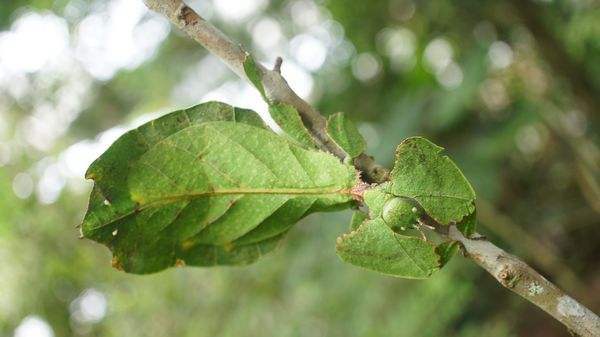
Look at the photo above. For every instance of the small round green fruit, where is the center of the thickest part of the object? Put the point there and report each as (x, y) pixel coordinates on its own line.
(399, 212)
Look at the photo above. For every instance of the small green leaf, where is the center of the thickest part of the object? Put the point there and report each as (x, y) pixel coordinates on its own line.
(358, 218)
(468, 224)
(254, 75)
(287, 117)
(375, 246)
(433, 180)
(345, 134)
(421, 177)
(206, 186)
(446, 251)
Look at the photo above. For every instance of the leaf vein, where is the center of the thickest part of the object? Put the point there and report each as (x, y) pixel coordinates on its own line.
(241, 146)
(408, 255)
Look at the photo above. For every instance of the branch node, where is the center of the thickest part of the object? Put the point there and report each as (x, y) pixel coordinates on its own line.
(187, 16)
(277, 66)
(508, 278)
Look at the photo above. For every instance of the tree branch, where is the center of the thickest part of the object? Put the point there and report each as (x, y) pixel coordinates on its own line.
(276, 88)
(510, 271)
(546, 256)
(523, 280)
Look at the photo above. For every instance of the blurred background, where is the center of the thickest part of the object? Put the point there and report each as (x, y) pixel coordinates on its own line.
(510, 88)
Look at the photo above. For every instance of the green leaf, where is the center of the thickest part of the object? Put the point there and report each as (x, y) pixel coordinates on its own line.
(433, 180)
(206, 186)
(358, 218)
(468, 224)
(287, 117)
(446, 251)
(254, 75)
(376, 247)
(345, 134)
(110, 171)
(422, 181)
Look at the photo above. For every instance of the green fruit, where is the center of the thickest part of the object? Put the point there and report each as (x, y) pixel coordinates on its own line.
(399, 212)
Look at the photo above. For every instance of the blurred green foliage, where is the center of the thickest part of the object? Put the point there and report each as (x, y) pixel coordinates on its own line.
(509, 88)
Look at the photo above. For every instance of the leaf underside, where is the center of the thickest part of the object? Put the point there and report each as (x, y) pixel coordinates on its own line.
(206, 186)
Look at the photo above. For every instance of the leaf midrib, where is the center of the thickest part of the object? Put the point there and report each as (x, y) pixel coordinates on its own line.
(229, 191)
(319, 191)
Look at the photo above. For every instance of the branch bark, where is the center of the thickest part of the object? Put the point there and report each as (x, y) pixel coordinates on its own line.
(520, 278)
(509, 270)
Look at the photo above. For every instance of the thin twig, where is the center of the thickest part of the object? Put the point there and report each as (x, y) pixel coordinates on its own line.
(510, 271)
(277, 66)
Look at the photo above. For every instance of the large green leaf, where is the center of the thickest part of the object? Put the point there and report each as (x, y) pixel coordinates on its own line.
(206, 186)
(110, 171)
(375, 246)
(433, 180)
